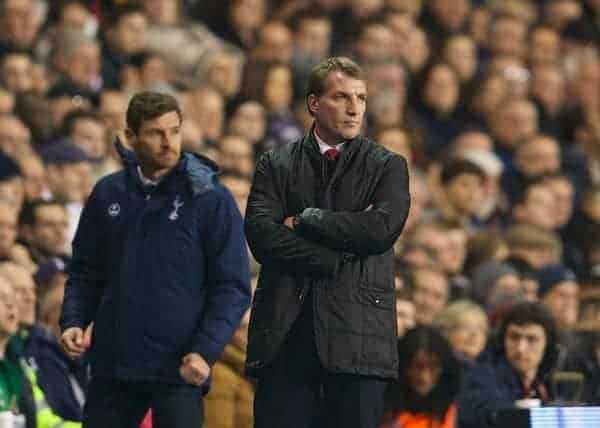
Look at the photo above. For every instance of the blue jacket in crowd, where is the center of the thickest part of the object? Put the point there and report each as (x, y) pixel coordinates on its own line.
(162, 270)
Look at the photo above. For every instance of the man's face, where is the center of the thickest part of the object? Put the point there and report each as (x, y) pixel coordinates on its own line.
(314, 37)
(524, 347)
(376, 43)
(430, 295)
(564, 194)
(225, 74)
(236, 155)
(249, 121)
(278, 89)
(548, 86)
(8, 228)
(12, 190)
(131, 33)
(508, 37)
(83, 66)
(563, 302)
(339, 111)
(275, 43)
(461, 54)
(16, 73)
(34, 177)
(465, 193)
(9, 312)
(70, 182)
(441, 90)
(14, 136)
(49, 232)
(451, 13)
(405, 316)
(544, 46)
(90, 136)
(539, 207)
(208, 108)
(20, 24)
(538, 156)
(515, 123)
(24, 289)
(158, 142)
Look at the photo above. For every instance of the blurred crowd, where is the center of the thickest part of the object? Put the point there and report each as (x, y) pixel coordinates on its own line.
(495, 104)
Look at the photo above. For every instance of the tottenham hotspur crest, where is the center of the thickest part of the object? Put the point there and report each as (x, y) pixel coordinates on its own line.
(177, 203)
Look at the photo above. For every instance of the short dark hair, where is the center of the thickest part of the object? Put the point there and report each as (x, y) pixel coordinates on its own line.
(456, 167)
(316, 79)
(72, 117)
(28, 215)
(148, 105)
(533, 313)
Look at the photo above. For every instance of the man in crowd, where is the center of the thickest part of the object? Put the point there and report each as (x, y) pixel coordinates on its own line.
(521, 360)
(322, 217)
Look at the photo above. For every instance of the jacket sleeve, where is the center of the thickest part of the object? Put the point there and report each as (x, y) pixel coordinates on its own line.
(228, 277)
(87, 273)
(368, 232)
(271, 241)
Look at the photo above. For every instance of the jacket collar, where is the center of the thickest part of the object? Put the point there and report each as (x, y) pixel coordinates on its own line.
(198, 170)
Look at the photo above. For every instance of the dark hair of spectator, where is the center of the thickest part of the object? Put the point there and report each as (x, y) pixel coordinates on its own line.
(318, 75)
(529, 184)
(147, 105)
(72, 117)
(28, 215)
(307, 15)
(456, 167)
(123, 11)
(399, 394)
(532, 313)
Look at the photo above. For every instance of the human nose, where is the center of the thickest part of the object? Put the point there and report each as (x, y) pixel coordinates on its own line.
(352, 105)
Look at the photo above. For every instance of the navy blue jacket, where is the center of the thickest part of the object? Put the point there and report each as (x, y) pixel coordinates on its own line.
(162, 270)
(490, 385)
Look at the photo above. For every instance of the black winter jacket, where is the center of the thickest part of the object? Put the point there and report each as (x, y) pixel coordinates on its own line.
(341, 248)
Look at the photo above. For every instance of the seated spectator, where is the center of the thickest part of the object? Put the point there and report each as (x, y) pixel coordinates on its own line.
(11, 181)
(44, 229)
(559, 293)
(534, 245)
(23, 287)
(462, 191)
(62, 380)
(536, 205)
(429, 380)
(431, 293)
(15, 390)
(517, 367)
(466, 327)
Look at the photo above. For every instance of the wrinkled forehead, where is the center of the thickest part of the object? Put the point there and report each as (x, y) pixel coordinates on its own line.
(340, 81)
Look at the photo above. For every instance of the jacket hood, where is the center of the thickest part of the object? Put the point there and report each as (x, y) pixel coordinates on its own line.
(199, 170)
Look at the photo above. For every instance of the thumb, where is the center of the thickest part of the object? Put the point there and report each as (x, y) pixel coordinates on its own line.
(185, 359)
(78, 336)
